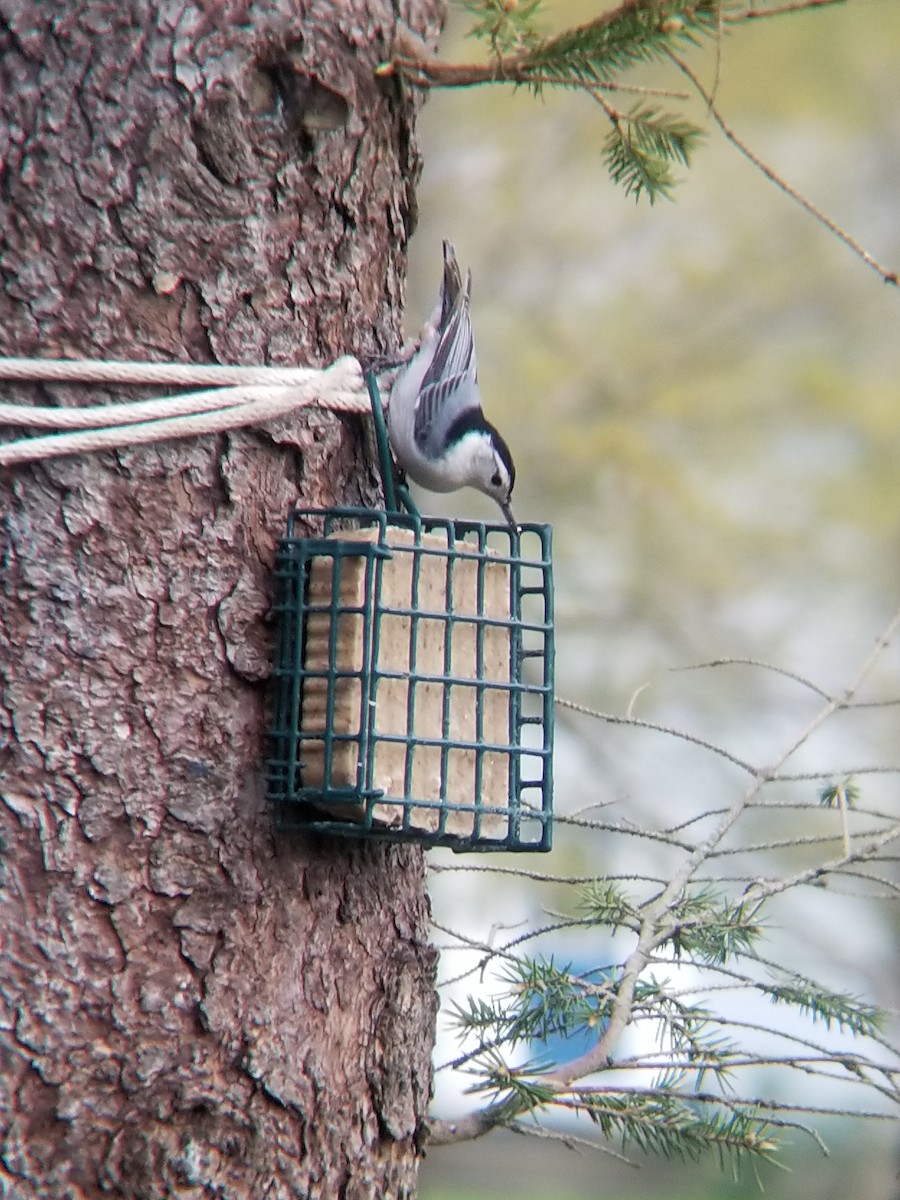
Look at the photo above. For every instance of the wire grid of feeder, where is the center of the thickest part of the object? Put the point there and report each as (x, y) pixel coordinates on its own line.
(414, 680)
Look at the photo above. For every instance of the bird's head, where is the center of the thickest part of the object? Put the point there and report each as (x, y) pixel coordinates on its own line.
(477, 456)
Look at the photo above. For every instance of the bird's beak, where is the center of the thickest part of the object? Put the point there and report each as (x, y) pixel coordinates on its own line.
(507, 511)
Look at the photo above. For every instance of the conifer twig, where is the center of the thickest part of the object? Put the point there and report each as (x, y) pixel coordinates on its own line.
(677, 918)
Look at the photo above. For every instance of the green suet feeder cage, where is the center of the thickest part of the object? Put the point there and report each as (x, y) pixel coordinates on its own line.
(414, 679)
(414, 675)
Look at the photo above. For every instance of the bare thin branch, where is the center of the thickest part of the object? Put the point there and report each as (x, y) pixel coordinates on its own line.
(886, 275)
(636, 723)
(763, 666)
(659, 916)
(654, 927)
(752, 14)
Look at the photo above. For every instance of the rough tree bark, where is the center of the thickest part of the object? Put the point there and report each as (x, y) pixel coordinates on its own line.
(189, 1005)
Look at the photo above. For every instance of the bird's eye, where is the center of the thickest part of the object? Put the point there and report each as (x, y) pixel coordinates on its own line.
(495, 479)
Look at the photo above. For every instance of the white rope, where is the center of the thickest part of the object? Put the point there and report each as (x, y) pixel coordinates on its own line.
(241, 396)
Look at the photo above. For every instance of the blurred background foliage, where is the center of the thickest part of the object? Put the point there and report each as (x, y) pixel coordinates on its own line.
(702, 397)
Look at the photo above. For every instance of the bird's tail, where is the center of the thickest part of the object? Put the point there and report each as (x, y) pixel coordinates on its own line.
(452, 283)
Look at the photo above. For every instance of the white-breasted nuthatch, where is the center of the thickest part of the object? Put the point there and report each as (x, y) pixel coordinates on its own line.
(438, 432)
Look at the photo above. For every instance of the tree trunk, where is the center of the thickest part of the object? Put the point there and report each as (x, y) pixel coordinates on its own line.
(191, 1005)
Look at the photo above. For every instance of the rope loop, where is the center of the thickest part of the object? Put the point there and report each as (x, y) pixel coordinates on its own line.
(232, 397)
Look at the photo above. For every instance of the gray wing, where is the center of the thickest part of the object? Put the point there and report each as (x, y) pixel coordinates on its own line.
(449, 386)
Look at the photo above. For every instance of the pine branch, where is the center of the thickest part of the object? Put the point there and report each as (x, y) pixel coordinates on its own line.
(637, 32)
(713, 929)
(640, 148)
(831, 1008)
(651, 915)
(676, 1127)
(513, 1091)
(605, 904)
(542, 1001)
(507, 27)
